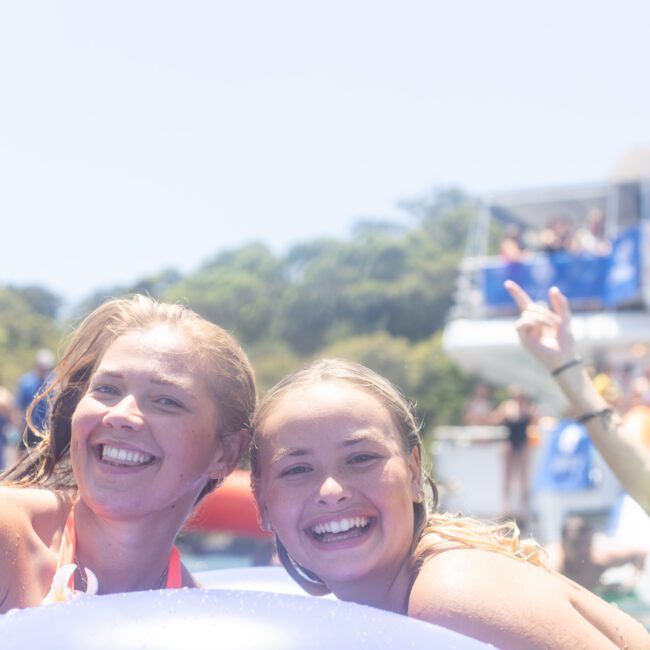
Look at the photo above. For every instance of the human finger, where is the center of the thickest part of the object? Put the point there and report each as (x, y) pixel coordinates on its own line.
(520, 297)
(559, 303)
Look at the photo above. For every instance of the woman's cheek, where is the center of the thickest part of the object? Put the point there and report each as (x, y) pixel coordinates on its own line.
(284, 506)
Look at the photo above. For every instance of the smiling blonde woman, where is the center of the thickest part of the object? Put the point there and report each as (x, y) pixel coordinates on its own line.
(338, 476)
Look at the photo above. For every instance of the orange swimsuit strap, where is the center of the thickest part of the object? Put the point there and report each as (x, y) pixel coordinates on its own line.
(67, 553)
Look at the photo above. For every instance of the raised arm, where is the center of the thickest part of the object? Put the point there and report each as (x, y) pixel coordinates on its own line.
(546, 334)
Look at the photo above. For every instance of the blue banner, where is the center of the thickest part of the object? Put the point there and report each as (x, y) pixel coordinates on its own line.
(589, 281)
(566, 461)
(623, 282)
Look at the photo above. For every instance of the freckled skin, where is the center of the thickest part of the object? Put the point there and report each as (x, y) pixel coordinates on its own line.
(176, 422)
(30, 533)
(146, 396)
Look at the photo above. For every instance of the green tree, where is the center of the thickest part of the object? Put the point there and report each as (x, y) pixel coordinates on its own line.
(23, 330)
(39, 300)
(237, 289)
(311, 305)
(387, 355)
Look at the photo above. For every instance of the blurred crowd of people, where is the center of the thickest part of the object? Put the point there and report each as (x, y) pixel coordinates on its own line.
(625, 386)
(557, 236)
(583, 553)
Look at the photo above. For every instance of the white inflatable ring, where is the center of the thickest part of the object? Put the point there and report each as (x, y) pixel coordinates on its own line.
(255, 578)
(218, 619)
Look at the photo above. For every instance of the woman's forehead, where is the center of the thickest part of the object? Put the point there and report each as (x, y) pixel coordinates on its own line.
(326, 397)
(169, 339)
(334, 406)
(161, 346)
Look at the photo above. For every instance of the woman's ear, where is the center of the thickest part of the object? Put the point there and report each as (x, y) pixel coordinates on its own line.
(262, 512)
(415, 469)
(234, 444)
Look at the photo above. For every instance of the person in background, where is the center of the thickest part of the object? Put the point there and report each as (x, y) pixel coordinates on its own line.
(338, 476)
(513, 253)
(7, 418)
(590, 238)
(30, 385)
(479, 407)
(623, 377)
(511, 247)
(605, 383)
(556, 236)
(546, 333)
(580, 559)
(636, 416)
(519, 416)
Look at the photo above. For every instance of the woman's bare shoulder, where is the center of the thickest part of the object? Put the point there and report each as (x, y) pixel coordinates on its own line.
(461, 574)
(32, 500)
(30, 527)
(35, 509)
(513, 604)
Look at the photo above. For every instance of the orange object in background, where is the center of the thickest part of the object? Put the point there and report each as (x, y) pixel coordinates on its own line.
(637, 423)
(230, 509)
(533, 435)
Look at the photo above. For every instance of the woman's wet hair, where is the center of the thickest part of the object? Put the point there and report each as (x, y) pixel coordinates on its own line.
(217, 354)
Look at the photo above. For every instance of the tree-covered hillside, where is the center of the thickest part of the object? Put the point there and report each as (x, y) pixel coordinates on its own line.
(28, 321)
(380, 297)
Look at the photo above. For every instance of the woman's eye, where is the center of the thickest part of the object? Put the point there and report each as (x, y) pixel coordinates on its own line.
(105, 389)
(363, 458)
(296, 470)
(169, 401)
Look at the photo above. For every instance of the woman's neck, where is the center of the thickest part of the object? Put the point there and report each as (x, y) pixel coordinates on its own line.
(389, 592)
(125, 555)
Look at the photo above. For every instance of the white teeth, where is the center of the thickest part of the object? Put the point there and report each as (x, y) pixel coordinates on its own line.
(125, 455)
(340, 525)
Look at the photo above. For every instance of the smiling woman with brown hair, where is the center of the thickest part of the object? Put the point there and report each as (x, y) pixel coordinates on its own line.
(149, 410)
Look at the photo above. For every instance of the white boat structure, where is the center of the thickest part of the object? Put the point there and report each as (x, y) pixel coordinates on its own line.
(610, 294)
(610, 297)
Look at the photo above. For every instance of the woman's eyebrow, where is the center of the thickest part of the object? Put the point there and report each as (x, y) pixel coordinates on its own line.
(169, 383)
(108, 373)
(286, 452)
(297, 452)
(357, 438)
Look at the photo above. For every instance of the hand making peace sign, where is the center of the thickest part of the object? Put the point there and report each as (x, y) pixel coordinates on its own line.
(545, 332)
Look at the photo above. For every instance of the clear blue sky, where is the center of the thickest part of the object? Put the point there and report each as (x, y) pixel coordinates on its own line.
(139, 135)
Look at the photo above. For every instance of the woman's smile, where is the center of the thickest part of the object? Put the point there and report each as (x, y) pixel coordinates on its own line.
(119, 456)
(340, 527)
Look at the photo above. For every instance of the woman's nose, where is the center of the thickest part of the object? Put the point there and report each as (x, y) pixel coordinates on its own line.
(333, 490)
(125, 413)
